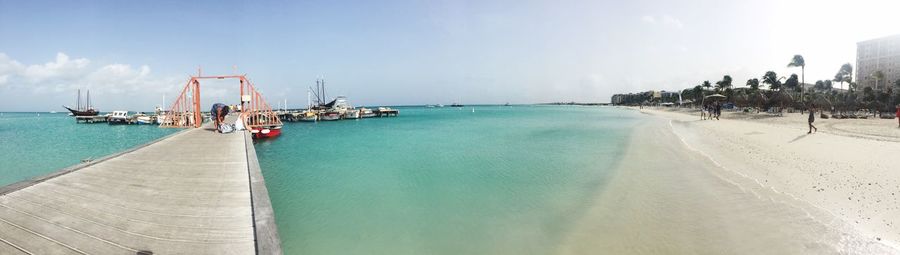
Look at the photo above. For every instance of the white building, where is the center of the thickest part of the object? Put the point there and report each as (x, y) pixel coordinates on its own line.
(878, 54)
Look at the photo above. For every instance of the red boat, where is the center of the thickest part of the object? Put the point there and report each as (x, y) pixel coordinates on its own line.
(265, 132)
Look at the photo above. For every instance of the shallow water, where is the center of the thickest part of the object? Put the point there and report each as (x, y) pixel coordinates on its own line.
(500, 180)
(34, 144)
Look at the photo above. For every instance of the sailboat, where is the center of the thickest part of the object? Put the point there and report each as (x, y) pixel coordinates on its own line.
(85, 109)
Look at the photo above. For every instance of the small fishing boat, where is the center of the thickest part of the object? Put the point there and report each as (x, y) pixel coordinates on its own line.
(117, 117)
(309, 116)
(366, 113)
(143, 119)
(330, 115)
(265, 132)
(456, 105)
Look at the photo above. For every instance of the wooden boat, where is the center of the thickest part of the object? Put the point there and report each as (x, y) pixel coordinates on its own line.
(85, 109)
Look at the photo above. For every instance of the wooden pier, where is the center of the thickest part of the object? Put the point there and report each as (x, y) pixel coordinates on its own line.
(193, 192)
(91, 119)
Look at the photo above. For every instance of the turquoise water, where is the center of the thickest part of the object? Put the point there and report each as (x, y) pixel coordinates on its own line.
(34, 144)
(501, 180)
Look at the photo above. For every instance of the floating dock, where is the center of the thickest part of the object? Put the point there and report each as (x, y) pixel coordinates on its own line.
(193, 192)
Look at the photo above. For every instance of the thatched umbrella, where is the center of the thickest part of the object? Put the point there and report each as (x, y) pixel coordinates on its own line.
(781, 98)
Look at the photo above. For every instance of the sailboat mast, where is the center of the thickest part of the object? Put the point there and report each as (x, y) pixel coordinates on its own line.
(89, 99)
(78, 100)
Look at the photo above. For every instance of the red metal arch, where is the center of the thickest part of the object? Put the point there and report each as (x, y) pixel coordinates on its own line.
(185, 111)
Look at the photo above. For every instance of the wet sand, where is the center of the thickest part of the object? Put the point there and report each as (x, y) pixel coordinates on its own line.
(744, 186)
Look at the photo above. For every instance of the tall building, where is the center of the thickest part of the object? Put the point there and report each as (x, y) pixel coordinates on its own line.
(878, 54)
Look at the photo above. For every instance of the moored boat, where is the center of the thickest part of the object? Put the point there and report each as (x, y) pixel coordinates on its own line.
(83, 109)
(330, 115)
(308, 116)
(366, 113)
(351, 114)
(117, 117)
(265, 132)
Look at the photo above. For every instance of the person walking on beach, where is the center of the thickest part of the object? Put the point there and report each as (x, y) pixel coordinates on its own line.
(812, 118)
(898, 115)
(218, 112)
(718, 110)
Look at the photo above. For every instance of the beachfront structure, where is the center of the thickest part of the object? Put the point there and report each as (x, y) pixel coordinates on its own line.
(646, 97)
(880, 54)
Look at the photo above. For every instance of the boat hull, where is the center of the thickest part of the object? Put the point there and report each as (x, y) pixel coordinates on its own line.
(262, 133)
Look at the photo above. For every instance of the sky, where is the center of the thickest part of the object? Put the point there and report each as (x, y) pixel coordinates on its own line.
(132, 54)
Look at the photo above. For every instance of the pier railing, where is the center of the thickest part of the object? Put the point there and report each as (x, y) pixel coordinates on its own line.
(185, 111)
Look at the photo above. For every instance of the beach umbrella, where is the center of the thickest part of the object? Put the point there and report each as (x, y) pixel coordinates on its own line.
(821, 101)
(782, 97)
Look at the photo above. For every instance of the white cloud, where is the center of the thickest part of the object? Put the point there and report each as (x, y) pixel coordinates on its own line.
(664, 20)
(672, 22)
(64, 74)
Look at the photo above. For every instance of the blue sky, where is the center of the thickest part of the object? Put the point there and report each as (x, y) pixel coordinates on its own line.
(131, 53)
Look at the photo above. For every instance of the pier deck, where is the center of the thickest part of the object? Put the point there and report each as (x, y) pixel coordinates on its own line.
(194, 192)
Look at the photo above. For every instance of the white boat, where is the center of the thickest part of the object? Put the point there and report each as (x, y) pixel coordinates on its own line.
(366, 113)
(144, 120)
(352, 114)
(117, 117)
(330, 115)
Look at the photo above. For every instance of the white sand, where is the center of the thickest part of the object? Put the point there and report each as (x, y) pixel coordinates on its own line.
(749, 184)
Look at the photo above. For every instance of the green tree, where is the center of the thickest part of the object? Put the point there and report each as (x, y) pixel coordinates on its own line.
(706, 85)
(844, 74)
(878, 75)
(819, 86)
(798, 61)
(698, 93)
(755, 94)
(771, 78)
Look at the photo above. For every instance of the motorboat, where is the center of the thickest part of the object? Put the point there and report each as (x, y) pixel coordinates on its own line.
(366, 113)
(352, 114)
(309, 116)
(117, 117)
(330, 115)
(265, 132)
(143, 119)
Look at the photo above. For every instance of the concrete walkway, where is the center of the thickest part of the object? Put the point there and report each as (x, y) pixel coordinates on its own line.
(189, 193)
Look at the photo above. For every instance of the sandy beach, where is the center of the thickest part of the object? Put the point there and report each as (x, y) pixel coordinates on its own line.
(749, 184)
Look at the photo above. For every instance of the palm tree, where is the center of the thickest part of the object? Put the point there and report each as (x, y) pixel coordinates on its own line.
(878, 75)
(755, 93)
(771, 78)
(706, 85)
(774, 82)
(845, 74)
(698, 93)
(754, 83)
(796, 61)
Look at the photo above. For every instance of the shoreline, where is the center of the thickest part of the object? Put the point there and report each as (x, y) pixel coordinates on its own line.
(737, 188)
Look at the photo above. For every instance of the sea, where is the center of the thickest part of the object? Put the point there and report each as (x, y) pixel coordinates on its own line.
(450, 180)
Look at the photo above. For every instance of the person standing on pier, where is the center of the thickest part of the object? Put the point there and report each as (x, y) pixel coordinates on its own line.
(218, 112)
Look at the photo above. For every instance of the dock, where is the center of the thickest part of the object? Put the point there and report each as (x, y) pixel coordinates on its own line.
(193, 192)
(90, 119)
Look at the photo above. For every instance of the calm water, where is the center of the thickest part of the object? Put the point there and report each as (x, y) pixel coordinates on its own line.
(501, 180)
(33, 144)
